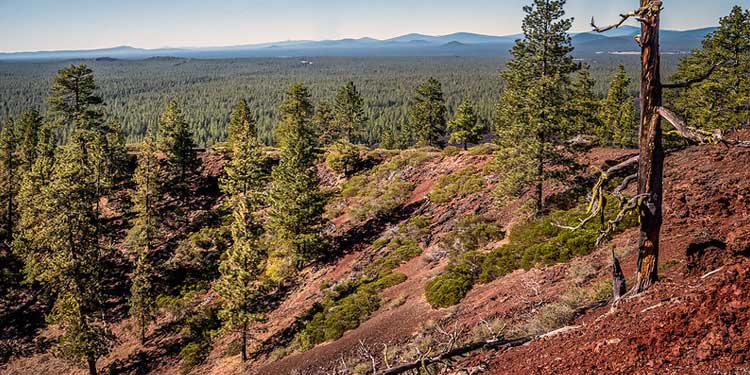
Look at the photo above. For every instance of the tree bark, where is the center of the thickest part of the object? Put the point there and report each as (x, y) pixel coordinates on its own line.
(651, 161)
(244, 342)
(92, 364)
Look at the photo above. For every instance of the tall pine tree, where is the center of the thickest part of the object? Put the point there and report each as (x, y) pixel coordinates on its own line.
(143, 237)
(176, 142)
(29, 126)
(242, 266)
(531, 125)
(722, 100)
(349, 113)
(9, 179)
(73, 100)
(465, 127)
(323, 121)
(296, 203)
(64, 254)
(618, 115)
(427, 113)
(584, 106)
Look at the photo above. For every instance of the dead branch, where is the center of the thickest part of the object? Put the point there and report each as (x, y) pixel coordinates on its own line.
(489, 344)
(693, 81)
(624, 185)
(623, 18)
(641, 15)
(633, 204)
(364, 351)
(697, 136)
(598, 201)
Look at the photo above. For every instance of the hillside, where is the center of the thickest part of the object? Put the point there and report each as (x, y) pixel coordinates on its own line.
(403, 214)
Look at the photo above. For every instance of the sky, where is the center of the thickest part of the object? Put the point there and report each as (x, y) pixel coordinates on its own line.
(33, 25)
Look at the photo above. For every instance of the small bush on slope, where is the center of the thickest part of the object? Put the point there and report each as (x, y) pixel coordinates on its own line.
(531, 244)
(457, 185)
(350, 303)
(380, 191)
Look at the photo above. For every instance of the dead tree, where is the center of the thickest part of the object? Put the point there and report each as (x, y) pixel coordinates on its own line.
(651, 156)
(648, 201)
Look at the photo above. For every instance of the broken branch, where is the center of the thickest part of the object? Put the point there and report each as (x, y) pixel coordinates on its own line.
(697, 136)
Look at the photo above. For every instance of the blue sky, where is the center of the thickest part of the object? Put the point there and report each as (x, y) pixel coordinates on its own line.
(29, 25)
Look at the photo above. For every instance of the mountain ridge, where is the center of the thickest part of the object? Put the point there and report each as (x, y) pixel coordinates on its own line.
(413, 44)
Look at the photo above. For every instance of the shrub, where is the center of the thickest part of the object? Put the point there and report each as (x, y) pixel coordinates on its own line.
(382, 189)
(448, 288)
(457, 185)
(382, 202)
(549, 318)
(338, 317)
(342, 157)
(192, 354)
(483, 149)
(450, 151)
(498, 263)
(472, 232)
(534, 243)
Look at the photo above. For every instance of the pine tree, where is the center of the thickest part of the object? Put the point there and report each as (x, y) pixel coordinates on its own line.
(65, 256)
(465, 127)
(323, 121)
(584, 106)
(144, 235)
(242, 266)
(29, 126)
(619, 121)
(72, 99)
(75, 107)
(31, 202)
(176, 142)
(531, 125)
(427, 113)
(349, 112)
(9, 178)
(296, 203)
(721, 100)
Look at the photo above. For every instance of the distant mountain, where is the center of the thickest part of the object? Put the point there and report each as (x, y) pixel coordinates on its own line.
(458, 44)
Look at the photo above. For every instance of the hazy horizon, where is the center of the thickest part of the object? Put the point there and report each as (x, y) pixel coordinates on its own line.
(47, 25)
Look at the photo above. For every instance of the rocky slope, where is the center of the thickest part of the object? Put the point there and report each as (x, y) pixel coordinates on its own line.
(695, 321)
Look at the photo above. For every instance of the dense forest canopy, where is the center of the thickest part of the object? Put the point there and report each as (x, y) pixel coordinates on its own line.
(137, 91)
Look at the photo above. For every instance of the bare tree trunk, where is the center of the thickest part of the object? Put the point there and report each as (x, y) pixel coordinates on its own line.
(651, 162)
(244, 342)
(92, 364)
(540, 178)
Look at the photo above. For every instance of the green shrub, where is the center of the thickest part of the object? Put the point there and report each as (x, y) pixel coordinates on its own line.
(457, 185)
(483, 149)
(472, 232)
(382, 201)
(498, 263)
(350, 303)
(382, 189)
(192, 354)
(389, 280)
(338, 317)
(342, 157)
(537, 242)
(448, 288)
(450, 151)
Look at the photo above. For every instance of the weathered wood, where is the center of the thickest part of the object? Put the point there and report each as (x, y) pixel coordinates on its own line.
(490, 344)
(651, 161)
